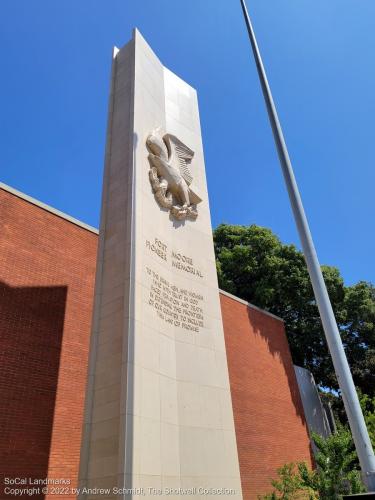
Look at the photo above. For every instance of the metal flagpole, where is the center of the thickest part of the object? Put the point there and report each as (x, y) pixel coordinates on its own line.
(344, 377)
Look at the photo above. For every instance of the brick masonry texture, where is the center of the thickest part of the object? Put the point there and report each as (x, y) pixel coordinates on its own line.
(268, 414)
(47, 268)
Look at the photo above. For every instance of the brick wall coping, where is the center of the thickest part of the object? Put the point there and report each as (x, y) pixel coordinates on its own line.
(248, 304)
(54, 211)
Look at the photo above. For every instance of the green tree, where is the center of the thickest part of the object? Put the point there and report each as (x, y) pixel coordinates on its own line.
(368, 408)
(358, 333)
(367, 405)
(253, 264)
(336, 472)
(290, 485)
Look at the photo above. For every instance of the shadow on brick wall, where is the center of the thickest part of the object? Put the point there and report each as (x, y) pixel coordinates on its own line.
(278, 346)
(31, 329)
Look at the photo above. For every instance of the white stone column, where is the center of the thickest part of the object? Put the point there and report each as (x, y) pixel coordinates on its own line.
(158, 406)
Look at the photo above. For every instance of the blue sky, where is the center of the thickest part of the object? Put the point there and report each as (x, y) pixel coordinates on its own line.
(319, 56)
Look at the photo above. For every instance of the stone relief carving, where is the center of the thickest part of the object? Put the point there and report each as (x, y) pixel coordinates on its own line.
(170, 175)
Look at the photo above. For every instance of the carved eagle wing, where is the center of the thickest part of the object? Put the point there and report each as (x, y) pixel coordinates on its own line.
(180, 156)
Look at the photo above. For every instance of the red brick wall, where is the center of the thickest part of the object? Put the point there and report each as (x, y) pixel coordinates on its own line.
(47, 267)
(268, 414)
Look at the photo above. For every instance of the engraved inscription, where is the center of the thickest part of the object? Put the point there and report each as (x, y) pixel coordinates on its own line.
(157, 247)
(178, 260)
(177, 306)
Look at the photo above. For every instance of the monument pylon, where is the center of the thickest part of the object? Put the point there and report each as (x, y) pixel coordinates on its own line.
(158, 411)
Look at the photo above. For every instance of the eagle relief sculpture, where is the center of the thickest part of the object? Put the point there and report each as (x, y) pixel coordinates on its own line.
(170, 175)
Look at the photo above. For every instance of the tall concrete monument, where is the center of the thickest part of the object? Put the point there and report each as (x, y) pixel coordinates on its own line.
(158, 414)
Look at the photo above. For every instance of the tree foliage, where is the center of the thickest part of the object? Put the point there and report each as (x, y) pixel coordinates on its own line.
(253, 264)
(367, 405)
(290, 484)
(368, 408)
(336, 473)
